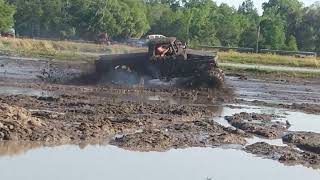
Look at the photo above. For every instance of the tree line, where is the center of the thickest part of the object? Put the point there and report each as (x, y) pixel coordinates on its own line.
(284, 24)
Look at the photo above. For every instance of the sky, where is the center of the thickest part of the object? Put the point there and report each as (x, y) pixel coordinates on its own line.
(258, 3)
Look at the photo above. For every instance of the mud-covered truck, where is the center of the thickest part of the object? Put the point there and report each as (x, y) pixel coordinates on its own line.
(167, 58)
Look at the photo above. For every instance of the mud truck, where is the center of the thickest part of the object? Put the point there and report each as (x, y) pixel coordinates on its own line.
(103, 38)
(8, 34)
(167, 58)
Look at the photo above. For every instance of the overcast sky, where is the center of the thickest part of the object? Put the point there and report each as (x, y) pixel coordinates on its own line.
(258, 3)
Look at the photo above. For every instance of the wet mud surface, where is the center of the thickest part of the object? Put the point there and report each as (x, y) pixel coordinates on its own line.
(307, 141)
(259, 124)
(53, 102)
(285, 154)
(73, 118)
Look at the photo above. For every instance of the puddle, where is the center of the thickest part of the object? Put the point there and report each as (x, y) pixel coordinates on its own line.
(276, 142)
(23, 69)
(304, 122)
(108, 162)
(13, 68)
(169, 100)
(27, 91)
(158, 82)
(299, 121)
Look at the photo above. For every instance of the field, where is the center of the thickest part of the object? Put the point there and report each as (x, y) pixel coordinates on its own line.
(61, 50)
(268, 59)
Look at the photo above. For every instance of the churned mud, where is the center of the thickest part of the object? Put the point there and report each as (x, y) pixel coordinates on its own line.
(294, 94)
(258, 124)
(307, 141)
(74, 118)
(285, 154)
(54, 102)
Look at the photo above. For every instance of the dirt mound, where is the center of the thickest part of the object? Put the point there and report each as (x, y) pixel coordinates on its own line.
(309, 108)
(258, 124)
(16, 121)
(19, 115)
(307, 141)
(285, 154)
(180, 134)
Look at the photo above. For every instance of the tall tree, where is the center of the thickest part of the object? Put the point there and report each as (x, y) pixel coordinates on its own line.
(228, 27)
(6, 15)
(249, 18)
(290, 11)
(308, 34)
(248, 8)
(273, 33)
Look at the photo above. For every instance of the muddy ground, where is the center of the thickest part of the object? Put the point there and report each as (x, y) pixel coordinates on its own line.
(56, 102)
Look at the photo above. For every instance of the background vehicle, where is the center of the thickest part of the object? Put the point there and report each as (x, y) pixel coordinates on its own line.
(11, 33)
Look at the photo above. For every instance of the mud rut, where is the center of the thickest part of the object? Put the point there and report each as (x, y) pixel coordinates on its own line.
(83, 108)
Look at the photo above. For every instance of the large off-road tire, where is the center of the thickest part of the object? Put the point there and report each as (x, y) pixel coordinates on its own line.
(217, 73)
(213, 78)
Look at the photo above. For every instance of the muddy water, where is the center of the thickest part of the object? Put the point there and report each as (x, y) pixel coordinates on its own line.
(26, 91)
(276, 91)
(299, 121)
(108, 162)
(276, 142)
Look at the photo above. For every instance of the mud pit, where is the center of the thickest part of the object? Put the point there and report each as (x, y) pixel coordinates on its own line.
(51, 103)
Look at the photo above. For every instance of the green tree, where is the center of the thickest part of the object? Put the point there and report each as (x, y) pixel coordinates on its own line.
(201, 25)
(285, 24)
(290, 11)
(247, 8)
(228, 26)
(273, 33)
(308, 33)
(6, 15)
(248, 37)
(136, 23)
(292, 44)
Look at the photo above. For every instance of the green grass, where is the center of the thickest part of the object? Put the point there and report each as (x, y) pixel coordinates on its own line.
(268, 59)
(261, 72)
(63, 50)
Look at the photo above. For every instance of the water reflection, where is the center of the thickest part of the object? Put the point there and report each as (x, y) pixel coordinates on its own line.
(108, 162)
(17, 148)
(12, 148)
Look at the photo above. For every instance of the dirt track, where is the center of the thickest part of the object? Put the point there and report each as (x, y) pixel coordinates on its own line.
(60, 102)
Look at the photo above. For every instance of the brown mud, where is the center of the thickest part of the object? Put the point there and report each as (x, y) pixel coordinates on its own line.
(258, 124)
(56, 102)
(74, 118)
(307, 141)
(285, 154)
